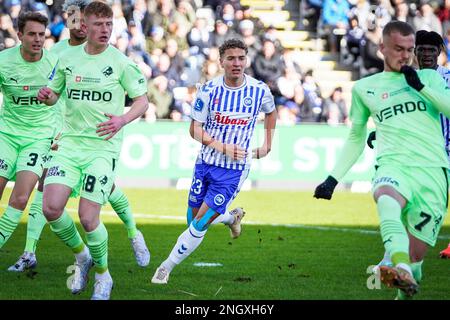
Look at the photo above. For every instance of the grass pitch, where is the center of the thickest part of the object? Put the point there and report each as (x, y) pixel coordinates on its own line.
(292, 247)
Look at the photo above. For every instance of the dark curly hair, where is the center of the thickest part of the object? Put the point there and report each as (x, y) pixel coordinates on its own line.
(430, 38)
(232, 44)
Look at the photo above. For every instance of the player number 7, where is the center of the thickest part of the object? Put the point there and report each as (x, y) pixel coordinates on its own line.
(426, 219)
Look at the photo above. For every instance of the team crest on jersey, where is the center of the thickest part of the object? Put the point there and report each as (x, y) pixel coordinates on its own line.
(198, 106)
(108, 71)
(219, 199)
(248, 101)
(103, 180)
(3, 165)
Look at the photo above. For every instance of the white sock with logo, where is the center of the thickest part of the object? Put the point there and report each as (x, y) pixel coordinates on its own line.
(187, 242)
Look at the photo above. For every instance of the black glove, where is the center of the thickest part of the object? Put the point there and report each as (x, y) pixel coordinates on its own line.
(412, 77)
(326, 188)
(371, 138)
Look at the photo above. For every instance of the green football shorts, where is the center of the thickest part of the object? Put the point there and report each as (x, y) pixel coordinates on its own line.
(21, 154)
(426, 192)
(89, 174)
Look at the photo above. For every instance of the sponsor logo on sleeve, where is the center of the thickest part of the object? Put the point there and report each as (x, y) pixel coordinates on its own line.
(198, 106)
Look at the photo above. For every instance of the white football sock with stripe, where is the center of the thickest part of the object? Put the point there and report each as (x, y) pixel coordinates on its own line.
(187, 242)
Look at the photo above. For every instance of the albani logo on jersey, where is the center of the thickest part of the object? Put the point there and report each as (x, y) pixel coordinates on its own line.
(219, 118)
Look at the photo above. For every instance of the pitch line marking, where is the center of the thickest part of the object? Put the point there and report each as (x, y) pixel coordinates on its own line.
(256, 223)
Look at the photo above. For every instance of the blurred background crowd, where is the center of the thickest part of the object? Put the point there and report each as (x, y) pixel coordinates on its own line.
(175, 43)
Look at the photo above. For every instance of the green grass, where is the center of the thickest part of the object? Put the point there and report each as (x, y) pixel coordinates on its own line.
(269, 261)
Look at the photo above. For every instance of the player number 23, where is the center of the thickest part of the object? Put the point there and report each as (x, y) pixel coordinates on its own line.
(196, 186)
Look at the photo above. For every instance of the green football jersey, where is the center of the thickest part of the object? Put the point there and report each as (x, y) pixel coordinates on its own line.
(95, 85)
(407, 124)
(60, 106)
(61, 46)
(22, 114)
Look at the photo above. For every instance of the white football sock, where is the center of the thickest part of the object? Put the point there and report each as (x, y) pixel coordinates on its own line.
(225, 218)
(187, 242)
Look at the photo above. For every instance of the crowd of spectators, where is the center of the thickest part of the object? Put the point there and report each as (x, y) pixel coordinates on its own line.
(175, 43)
(352, 28)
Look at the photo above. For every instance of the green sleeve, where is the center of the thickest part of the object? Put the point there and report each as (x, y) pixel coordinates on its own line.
(359, 113)
(353, 148)
(133, 81)
(59, 81)
(437, 92)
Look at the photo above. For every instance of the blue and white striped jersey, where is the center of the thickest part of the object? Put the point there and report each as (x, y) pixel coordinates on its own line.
(445, 122)
(229, 115)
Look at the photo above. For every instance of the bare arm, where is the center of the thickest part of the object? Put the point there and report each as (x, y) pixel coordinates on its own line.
(270, 122)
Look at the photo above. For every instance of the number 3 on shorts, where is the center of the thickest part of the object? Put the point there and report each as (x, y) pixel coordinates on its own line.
(33, 159)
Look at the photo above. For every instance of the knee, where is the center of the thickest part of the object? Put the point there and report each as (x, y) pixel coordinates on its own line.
(89, 223)
(19, 202)
(51, 211)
